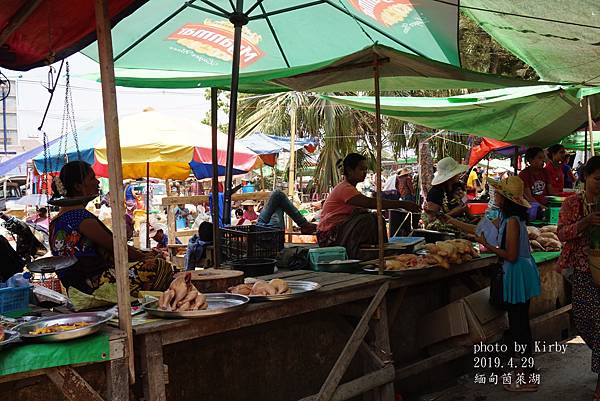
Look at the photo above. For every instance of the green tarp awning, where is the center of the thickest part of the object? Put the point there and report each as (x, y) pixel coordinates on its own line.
(577, 141)
(560, 42)
(539, 115)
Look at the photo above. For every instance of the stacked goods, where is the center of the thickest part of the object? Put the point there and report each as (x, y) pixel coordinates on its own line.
(182, 296)
(276, 286)
(449, 252)
(544, 239)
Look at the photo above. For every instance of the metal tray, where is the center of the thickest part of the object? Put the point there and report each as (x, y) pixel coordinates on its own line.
(374, 270)
(299, 288)
(346, 266)
(10, 337)
(218, 303)
(51, 264)
(96, 320)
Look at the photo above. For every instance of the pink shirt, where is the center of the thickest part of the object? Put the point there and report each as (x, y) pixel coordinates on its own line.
(336, 209)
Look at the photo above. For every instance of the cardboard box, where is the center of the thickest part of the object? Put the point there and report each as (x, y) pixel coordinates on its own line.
(464, 322)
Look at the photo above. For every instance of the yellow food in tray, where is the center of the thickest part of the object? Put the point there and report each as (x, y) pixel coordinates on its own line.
(56, 328)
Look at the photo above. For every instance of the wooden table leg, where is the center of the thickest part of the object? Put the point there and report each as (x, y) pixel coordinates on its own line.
(117, 380)
(153, 379)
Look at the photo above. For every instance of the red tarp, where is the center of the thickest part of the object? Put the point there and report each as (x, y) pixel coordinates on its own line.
(486, 146)
(53, 29)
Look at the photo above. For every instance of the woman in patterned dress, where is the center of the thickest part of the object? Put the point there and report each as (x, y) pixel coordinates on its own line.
(77, 232)
(575, 220)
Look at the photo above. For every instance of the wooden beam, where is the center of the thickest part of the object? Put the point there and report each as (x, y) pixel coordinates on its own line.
(380, 221)
(117, 383)
(361, 385)
(590, 126)
(342, 363)
(72, 385)
(18, 19)
(153, 377)
(196, 199)
(115, 172)
(382, 346)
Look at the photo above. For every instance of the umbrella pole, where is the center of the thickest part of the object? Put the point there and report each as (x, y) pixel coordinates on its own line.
(115, 173)
(238, 19)
(215, 175)
(292, 172)
(147, 205)
(590, 126)
(262, 179)
(380, 222)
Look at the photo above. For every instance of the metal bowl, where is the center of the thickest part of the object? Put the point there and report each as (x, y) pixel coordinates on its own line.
(218, 303)
(299, 288)
(96, 320)
(346, 266)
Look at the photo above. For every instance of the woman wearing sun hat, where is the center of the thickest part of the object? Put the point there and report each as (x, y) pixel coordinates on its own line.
(521, 279)
(440, 195)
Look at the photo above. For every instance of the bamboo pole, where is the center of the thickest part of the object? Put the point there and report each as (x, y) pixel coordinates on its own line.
(591, 126)
(238, 22)
(115, 173)
(380, 226)
(292, 172)
(147, 205)
(215, 172)
(262, 179)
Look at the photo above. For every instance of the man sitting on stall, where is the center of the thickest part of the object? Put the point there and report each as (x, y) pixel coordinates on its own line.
(77, 232)
(345, 219)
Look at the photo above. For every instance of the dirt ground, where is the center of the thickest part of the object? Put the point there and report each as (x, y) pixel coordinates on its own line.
(563, 377)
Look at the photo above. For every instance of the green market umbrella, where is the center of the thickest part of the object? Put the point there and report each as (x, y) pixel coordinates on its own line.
(226, 36)
(540, 115)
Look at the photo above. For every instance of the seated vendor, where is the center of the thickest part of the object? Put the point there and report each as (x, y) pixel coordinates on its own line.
(77, 232)
(345, 219)
(440, 198)
(536, 179)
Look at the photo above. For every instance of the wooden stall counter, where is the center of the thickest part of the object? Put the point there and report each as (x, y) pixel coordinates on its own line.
(275, 350)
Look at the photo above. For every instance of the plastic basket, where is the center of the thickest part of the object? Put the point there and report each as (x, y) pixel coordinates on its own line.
(554, 212)
(14, 301)
(251, 242)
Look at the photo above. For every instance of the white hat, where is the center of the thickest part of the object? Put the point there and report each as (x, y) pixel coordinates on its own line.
(446, 169)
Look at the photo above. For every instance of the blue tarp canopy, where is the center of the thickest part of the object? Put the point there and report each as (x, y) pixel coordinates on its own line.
(264, 144)
(19, 160)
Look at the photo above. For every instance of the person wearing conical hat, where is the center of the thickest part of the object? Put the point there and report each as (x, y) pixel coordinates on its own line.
(521, 278)
(439, 197)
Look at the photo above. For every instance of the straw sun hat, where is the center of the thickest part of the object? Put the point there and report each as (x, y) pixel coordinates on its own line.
(512, 188)
(404, 171)
(446, 169)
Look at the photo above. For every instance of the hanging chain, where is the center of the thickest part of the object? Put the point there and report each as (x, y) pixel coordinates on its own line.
(68, 122)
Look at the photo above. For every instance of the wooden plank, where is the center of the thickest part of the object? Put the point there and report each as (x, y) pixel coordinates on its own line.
(151, 356)
(360, 386)
(115, 172)
(431, 362)
(15, 21)
(552, 314)
(197, 199)
(351, 347)
(382, 346)
(72, 385)
(117, 380)
(397, 303)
